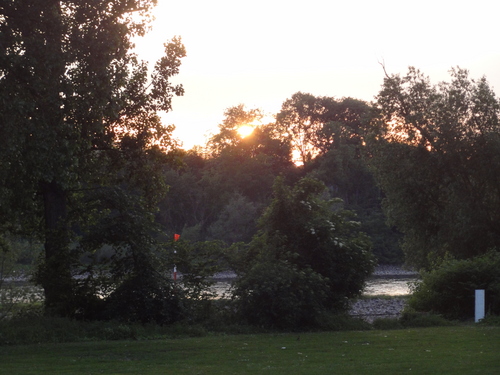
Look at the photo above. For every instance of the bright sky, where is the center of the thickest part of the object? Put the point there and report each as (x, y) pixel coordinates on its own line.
(260, 52)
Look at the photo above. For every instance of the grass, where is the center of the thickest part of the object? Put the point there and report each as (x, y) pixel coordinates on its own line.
(441, 350)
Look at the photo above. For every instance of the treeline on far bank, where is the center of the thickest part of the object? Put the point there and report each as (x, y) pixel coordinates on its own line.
(219, 191)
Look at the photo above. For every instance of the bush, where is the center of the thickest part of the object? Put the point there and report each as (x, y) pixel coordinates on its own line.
(450, 289)
(145, 300)
(278, 295)
(307, 258)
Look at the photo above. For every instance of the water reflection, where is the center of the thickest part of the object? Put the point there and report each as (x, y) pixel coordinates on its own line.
(389, 286)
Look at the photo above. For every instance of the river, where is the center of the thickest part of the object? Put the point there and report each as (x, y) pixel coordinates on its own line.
(386, 280)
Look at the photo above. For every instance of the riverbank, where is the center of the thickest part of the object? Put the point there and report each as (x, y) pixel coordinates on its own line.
(393, 271)
(390, 306)
(370, 309)
(380, 271)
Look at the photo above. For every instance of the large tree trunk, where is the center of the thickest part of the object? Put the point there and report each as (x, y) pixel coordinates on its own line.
(55, 275)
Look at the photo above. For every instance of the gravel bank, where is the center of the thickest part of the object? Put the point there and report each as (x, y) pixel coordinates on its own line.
(386, 270)
(375, 308)
(380, 271)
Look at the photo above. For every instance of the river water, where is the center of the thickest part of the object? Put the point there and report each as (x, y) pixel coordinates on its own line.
(392, 282)
(387, 285)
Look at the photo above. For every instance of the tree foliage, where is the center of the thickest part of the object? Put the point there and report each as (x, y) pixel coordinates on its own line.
(443, 191)
(80, 134)
(228, 135)
(306, 257)
(201, 192)
(301, 121)
(342, 164)
(450, 289)
(227, 184)
(314, 125)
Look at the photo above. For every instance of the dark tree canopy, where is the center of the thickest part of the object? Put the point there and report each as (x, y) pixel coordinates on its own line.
(301, 121)
(437, 158)
(313, 125)
(79, 113)
(307, 258)
(238, 169)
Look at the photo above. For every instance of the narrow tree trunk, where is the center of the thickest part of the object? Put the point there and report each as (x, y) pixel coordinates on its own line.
(55, 275)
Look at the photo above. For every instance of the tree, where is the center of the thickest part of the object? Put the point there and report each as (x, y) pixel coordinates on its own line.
(262, 148)
(211, 189)
(314, 125)
(236, 222)
(300, 121)
(307, 258)
(228, 135)
(343, 165)
(345, 122)
(245, 168)
(79, 125)
(437, 159)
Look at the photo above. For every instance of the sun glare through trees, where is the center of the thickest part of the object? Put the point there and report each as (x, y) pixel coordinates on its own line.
(245, 130)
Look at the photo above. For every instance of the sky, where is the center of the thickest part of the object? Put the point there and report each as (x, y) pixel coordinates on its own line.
(260, 52)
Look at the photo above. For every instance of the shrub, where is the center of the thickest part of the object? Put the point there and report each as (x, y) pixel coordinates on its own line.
(279, 295)
(138, 285)
(146, 300)
(308, 257)
(450, 289)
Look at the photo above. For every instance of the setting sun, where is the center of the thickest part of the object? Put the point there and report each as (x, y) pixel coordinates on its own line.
(245, 130)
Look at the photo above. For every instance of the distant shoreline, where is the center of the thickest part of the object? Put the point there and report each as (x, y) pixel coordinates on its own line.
(393, 271)
(380, 271)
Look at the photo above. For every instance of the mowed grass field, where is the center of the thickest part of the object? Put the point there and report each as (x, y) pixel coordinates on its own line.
(443, 350)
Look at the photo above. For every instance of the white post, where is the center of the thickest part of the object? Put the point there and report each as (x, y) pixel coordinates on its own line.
(479, 304)
(175, 268)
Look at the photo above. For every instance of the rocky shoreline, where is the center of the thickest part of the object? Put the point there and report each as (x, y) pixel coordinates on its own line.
(375, 308)
(390, 271)
(380, 271)
(370, 309)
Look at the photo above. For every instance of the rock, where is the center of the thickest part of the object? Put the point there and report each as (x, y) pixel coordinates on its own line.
(388, 270)
(373, 308)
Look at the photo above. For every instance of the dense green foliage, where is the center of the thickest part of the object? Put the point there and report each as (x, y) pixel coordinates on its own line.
(450, 289)
(436, 157)
(220, 193)
(82, 146)
(307, 258)
(342, 164)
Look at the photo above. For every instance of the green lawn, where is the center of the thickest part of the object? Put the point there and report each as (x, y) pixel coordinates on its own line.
(434, 351)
